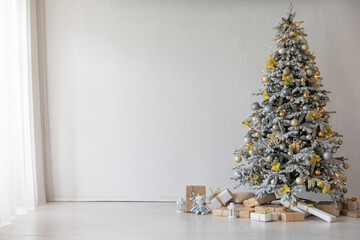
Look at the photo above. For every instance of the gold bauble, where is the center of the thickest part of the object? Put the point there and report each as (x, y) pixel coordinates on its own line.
(297, 24)
(301, 31)
(290, 153)
(275, 127)
(257, 135)
(346, 166)
(317, 172)
(304, 47)
(286, 71)
(269, 158)
(238, 158)
(317, 73)
(316, 98)
(255, 118)
(257, 203)
(286, 25)
(303, 80)
(293, 33)
(265, 78)
(282, 114)
(306, 67)
(321, 134)
(294, 122)
(306, 95)
(299, 180)
(340, 142)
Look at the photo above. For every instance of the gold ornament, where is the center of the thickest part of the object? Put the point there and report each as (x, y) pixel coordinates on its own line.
(275, 127)
(257, 203)
(255, 118)
(301, 31)
(265, 78)
(286, 71)
(314, 159)
(286, 25)
(238, 158)
(304, 47)
(290, 153)
(346, 166)
(275, 166)
(275, 138)
(293, 34)
(297, 24)
(296, 145)
(269, 158)
(317, 172)
(282, 114)
(303, 80)
(321, 134)
(257, 135)
(306, 67)
(317, 73)
(306, 95)
(288, 78)
(294, 122)
(299, 180)
(316, 98)
(265, 95)
(340, 142)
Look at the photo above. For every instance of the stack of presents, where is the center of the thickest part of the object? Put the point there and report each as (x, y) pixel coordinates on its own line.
(246, 205)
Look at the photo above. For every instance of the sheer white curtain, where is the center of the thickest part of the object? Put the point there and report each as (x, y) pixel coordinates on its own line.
(19, 185)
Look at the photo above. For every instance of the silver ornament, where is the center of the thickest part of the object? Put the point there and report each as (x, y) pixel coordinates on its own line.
(247, 139)
(255, 106)
(282, 50)
(238, 174)
(282, 147)
(292, 49)
(268, 108)
(308, 137)
(273, 182)
(327, 155)
(264, 195)
(345, 190)
(334, 150)
(285, 92)
(306, 107)
(299, 180)
(252, 152)
(309, 72)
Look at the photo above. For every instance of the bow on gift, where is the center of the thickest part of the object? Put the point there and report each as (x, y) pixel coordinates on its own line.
(325, 188)
(284, 189)
(267, 211)
(270, 63)
(275, 166)
(288, 78)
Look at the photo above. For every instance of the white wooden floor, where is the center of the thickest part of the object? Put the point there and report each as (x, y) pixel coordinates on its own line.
(123, 220)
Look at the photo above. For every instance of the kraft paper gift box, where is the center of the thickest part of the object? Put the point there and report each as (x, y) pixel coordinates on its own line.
(287, 215)
(189, 191)
(251, 201)
(264, 216)
(241, 211)
(272, 207)
(351, 204)
(219, 198)
(329, 207)
(354, 213)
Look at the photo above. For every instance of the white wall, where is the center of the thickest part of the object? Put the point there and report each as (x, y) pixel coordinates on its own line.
(148, 96)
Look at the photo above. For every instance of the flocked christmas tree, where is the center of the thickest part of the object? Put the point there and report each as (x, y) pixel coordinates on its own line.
(290, 145)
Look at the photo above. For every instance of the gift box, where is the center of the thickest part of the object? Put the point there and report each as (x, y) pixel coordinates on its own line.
(272, 207)
(219, 198)
(353, 213)
(329, 207)
(288, 215)
(309, 208)
(351, 204)
(190, 191)
(251, 201)
(241, 211)
(266, 216)
(287, 204)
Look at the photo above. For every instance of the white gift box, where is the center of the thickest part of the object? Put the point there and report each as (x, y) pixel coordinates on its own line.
(351, 205)
(220, 199)
(309, 208)
(264, 217)
(287, 204)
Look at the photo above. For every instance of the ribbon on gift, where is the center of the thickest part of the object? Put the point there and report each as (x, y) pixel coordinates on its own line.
(267, 211)
(309, 206)
(215, 195)
(353, 199)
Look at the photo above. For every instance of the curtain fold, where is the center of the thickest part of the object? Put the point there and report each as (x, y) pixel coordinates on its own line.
(18, 156)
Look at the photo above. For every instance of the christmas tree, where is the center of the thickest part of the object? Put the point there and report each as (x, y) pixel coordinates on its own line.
(290, 145)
